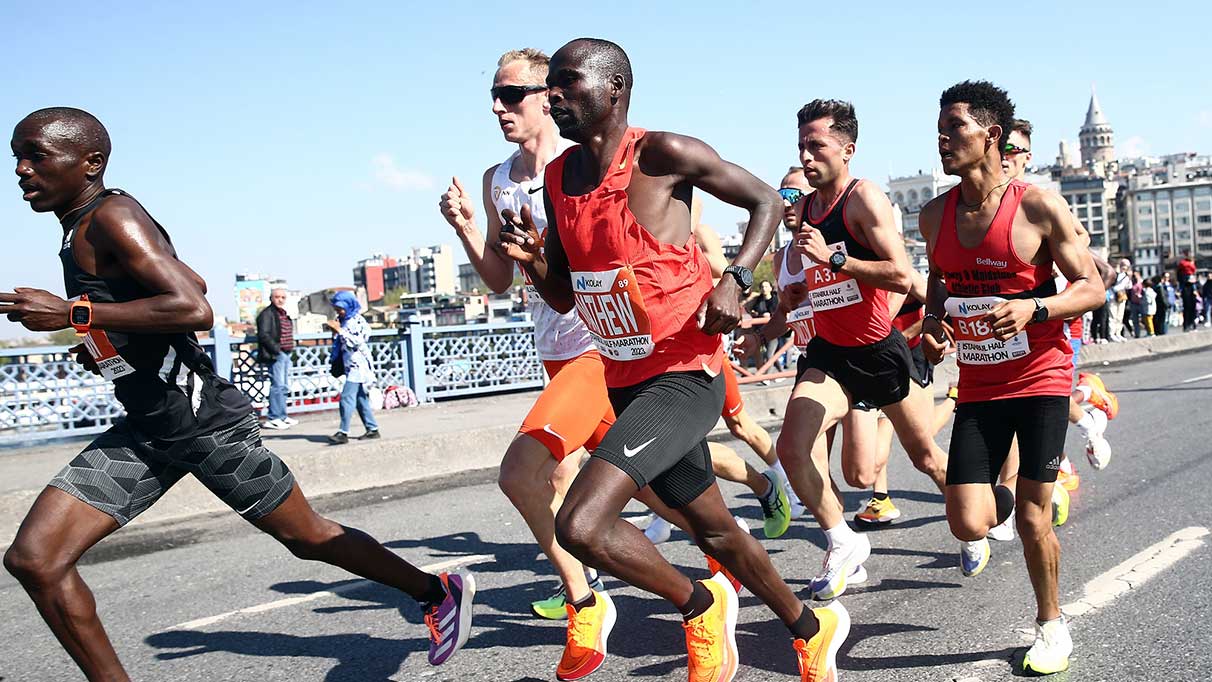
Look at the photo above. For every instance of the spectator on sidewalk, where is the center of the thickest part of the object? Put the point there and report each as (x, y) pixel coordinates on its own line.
(351, 353)
(764, 303)
(275, 343)
(1187, 284)
(1136, 304)
(1100, 324)
(1167, 301)
(1207, 296)
(1150, 316)
(1119, 302)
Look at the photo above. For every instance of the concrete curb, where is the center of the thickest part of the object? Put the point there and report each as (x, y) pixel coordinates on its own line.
(443, 458)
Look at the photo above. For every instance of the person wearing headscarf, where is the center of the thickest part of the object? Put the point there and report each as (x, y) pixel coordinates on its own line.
(351, 351)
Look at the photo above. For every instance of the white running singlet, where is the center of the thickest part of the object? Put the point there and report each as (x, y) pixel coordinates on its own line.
(556, 336)
(799, 320)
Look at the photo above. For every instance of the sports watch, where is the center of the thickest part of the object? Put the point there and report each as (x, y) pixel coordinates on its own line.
(1041, 312)
(80, 315)
(837, 260)
(742, 275)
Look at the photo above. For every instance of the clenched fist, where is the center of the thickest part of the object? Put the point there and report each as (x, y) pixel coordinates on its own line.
(457, 206)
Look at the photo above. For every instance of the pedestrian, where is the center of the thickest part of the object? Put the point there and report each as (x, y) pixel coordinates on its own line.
(1100, 325)
(1136, 304)
(1150, 306)
(764, 303)
(1167, 302)
(275, 342)
(1206, 292)
(1187, 285)
(1123, 282)
(351, 354)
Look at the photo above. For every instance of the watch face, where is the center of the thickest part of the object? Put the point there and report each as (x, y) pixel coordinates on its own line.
(838, 258)
(80, 315)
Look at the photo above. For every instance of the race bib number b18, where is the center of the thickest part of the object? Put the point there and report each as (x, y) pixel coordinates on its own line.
(611, 307)
(974, 340)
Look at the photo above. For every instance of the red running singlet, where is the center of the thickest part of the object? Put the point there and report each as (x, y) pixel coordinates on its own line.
(1037, 361)
(638, 296)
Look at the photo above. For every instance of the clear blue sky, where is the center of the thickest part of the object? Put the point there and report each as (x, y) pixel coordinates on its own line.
(294, 138)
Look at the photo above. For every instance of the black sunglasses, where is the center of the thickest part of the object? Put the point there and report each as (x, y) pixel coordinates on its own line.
(791, 194)
(512, 94)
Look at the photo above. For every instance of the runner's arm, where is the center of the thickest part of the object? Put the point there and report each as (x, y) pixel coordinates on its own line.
(551, 274)
(495, 269)
(934, 332)
(870, 211)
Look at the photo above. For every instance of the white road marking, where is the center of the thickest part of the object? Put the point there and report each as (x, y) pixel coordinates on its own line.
(1137, 570)
(1195, 379)
(304, 598)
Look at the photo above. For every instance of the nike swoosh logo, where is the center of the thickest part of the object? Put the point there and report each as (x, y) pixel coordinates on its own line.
(536, 189)
(547, 428)
(628, 452)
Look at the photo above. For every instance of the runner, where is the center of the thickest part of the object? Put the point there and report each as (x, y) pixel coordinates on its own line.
(992, 242)
(137, 307)
(853, 259)
(573, 411)
(619, 251)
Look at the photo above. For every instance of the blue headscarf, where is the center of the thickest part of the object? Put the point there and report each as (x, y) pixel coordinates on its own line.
(347, 302)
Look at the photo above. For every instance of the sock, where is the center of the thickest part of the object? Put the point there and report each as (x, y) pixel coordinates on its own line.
(1086, 423)
(1042, 623)
(806, 626)
(879, 496)
(700, 601)
(435, 593)
(1085, 391)
(839, 535)
(586, 602)
(1066, 466)
(770, 490)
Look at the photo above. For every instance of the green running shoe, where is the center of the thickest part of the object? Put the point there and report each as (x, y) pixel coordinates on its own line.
(552, 608)
(776, 507)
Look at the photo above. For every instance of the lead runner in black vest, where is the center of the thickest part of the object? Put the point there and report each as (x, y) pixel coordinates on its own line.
(137, 308)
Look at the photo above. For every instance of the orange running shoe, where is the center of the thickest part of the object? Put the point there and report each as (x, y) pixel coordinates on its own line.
(1068, 481)
(711, 638)
(714, 567)
(1100, 397)
(818, 656)
(588, 629)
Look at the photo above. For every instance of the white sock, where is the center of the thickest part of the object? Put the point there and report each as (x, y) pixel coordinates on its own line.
(839, 535)
(1085, 423)
(791, 496)
(1085, 391)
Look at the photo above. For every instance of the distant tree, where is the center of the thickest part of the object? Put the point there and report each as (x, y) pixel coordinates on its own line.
(392, 296)
(764, 272)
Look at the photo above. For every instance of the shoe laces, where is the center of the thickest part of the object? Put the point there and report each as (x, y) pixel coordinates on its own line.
(703, 642)
(772, 504)
(580, 629)
(431, 622)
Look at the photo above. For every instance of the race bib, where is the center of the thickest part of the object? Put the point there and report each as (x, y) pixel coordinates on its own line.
(830, 290)
(111, 364)
(801, 323)
(613, 311)
(974, 341)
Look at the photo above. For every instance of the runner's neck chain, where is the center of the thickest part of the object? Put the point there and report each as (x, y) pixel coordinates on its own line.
(973, 207)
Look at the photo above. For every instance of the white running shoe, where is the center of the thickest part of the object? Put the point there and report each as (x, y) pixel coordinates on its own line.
(290, 421)
(659, 530)
(275, 424)
(974, 557)
(840, 563)
(1050, 652)
(1004, 531)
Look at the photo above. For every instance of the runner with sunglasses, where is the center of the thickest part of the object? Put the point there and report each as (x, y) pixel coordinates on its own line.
(992, 241)
(620, 251)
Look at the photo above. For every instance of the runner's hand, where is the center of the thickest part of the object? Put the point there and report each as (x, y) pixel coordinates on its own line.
(84, 359)
(1010, 317)
(936, 336)
(520, 239)
(792, 296)
(457, 207)
(746, 346)
(37, 310)
(810, 242)
(720, 312)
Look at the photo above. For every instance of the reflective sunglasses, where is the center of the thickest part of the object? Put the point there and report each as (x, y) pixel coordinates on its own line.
(512, 94)
(1012, 149)
(791, 194)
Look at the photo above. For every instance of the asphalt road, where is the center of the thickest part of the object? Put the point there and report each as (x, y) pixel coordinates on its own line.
(916, 619)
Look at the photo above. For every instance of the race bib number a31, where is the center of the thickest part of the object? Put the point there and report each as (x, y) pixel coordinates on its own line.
(974, 341)
(611, 307)
(112, 365)
(829, 290)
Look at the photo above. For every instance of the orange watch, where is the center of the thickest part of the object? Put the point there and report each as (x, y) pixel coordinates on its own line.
(80, 315)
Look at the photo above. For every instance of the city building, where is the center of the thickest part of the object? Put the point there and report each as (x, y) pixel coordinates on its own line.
(370, 274)
(908, 194)
(428, 269)
(1165, 219)
(1096, 138)
(252, 295)
(469, 280)
(1093, 200)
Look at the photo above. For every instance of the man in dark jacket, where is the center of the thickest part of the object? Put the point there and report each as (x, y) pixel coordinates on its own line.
(275, 341)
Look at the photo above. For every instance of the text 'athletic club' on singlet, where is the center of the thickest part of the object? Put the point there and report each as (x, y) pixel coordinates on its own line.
(556, 336)
(847, 312)
(1036, 361)
(638, 296)
(799, 319)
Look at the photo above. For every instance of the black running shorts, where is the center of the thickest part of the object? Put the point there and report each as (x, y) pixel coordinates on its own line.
(123, 472)
(876, 375)
(659, 437)
(980, 438)
(922, 371)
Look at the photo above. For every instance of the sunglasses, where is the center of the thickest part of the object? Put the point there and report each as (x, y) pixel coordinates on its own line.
(512, 94)
(791, 194)
(1012, 149)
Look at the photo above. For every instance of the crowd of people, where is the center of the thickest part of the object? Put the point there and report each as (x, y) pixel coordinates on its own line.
(631, 298)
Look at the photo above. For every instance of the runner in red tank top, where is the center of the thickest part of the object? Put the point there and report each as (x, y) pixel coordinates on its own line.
(619, 250)
(992, 244)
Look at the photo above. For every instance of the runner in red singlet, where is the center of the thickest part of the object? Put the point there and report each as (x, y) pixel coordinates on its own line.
(619, 250)
(992, 243)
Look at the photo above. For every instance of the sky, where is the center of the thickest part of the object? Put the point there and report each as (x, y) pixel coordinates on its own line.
(295, 138)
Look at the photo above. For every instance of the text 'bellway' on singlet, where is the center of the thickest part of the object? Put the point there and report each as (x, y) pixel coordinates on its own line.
(638, 296)
(847, 312)
(800, 319)
(1036, 362)
(556, 337)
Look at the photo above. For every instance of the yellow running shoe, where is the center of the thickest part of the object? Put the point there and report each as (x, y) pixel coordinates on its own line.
(711, 637)
(1060, 505)
(817, 657)
(878, 512)
(588, 630)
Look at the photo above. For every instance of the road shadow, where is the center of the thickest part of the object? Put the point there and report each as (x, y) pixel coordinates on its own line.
(860, 632)
(272, 437)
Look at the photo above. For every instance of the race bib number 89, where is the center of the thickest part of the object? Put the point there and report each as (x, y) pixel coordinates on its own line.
(974, 340)
(610, 305)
